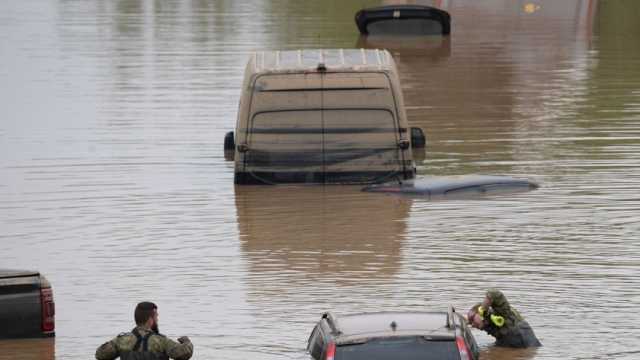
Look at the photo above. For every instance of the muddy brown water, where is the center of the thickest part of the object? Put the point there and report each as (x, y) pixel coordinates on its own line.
(113, 181)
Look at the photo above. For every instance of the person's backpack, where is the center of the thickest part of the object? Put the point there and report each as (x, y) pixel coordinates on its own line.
(141, 351)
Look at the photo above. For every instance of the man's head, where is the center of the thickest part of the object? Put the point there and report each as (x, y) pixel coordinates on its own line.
(146, 314)
(474, 318)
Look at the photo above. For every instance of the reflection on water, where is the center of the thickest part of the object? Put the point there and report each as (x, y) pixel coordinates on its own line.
(28, 349)
(113, 180)
(430, 49)
(498, 353)
(319, 233)
(302, 241)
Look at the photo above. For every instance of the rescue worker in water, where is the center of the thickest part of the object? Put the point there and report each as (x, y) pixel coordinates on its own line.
(144, 342)
(496, 317)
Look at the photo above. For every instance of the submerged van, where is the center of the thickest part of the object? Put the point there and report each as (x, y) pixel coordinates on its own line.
(322, 117)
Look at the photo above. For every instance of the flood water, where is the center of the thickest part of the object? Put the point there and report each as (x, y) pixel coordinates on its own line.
(113, 181)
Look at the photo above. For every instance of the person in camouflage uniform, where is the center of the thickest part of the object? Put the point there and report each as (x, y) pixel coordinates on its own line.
(144, 342)
(496, 317)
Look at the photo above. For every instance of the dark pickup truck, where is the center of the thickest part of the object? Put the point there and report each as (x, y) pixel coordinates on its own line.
(27, 309)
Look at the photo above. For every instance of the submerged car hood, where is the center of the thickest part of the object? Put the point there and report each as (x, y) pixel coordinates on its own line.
(455, 185)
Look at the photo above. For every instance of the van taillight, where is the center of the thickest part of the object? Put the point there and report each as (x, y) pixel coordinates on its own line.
(331, 351)
(48, 310)
(462, 348)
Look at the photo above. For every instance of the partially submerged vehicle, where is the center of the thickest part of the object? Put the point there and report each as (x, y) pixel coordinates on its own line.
(455, 186)
(27, 309)
(322, 117)
(393, 335)
(403, 20)
(430, 48)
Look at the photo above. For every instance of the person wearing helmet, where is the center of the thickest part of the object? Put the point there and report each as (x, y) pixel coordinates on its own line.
(497, 318)
(144, 342)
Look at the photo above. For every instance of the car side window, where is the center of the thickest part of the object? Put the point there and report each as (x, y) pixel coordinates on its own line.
(315, 343)
(469, 339)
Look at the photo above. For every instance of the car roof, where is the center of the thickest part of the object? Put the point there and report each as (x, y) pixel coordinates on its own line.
(354, 327)
(310, 59)
(11, 273)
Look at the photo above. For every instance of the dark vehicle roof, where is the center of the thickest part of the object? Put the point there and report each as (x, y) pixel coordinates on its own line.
(12, 273)
(369, 15)
(354, 327)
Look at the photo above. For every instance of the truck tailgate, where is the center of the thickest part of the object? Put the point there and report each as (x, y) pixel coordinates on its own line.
(20, 309)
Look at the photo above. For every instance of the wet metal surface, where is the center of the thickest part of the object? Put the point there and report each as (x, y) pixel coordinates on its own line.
(114, 185)
(454, 187)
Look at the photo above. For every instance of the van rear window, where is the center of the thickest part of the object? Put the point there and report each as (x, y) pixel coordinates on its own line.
(360, 139)
(281, 140)
(325, 143)
(405, 348)
(323, 138)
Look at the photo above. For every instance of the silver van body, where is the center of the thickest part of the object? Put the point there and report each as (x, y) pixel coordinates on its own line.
(322, 117)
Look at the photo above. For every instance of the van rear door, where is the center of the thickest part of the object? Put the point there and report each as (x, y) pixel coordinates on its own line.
(360, 146)
(361, 132)
(284, 135)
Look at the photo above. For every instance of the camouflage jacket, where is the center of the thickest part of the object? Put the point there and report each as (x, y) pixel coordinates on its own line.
(500, 306)
(158, 344)
(515, 332)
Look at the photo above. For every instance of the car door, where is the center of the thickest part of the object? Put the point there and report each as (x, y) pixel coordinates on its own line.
(469, 339)
(315, 344)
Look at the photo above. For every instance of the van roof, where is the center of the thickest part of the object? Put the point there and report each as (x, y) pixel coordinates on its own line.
(311, 60)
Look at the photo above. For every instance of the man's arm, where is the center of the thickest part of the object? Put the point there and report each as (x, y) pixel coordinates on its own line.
(182, 350)
(107, 351)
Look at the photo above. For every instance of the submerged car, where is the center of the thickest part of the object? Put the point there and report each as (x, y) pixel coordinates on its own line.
(27, 309)
(464, 186)
(393, 335)
(403, 20)
(322, 117)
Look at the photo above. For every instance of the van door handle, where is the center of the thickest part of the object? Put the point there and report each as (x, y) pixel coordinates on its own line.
(243, 148)
(404, 144)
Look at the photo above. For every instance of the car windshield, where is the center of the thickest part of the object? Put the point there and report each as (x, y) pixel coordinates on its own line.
(404, 348)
